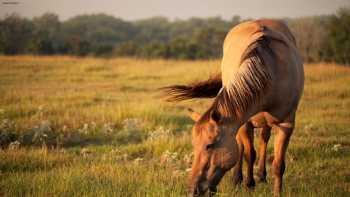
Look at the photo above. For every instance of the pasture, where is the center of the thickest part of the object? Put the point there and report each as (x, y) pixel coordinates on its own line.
(96, 127)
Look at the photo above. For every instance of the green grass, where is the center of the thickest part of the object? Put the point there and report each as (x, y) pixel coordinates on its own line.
(96, 127)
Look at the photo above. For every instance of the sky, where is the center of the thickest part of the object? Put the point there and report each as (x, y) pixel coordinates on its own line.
(173, 9)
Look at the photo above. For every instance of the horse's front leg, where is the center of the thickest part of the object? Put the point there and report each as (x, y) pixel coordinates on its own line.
(283, 134)
(246, 144)
(237, 170)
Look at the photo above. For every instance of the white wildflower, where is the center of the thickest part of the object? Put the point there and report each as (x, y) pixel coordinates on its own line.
(85, 129)
(93, 125)
(159, 133)
(178, 173)
(336, 147)
(41, 108)
(124, 157)
(131, 124)
(7, 125)
(85, 152)
(14, 145)
(64, 128)
(115, 151)
(138, 160)
(45, 126)
(40, 111)
(107, 128)
(188, 158)
(41, 132)
(168, 157)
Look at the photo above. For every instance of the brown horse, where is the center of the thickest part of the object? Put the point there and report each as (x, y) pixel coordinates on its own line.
(260, 85)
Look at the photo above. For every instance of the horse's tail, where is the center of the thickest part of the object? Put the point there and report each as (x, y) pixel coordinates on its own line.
(201, 89)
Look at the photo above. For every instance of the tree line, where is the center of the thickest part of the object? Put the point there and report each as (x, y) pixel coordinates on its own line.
(319, 38)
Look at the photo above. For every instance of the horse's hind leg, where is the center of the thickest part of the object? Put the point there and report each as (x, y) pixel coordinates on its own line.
(265, 134)
(283, 133)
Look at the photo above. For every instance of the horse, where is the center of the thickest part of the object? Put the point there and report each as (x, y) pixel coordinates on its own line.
(260, 86)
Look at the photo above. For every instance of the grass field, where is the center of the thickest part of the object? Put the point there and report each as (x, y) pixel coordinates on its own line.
(96, 127)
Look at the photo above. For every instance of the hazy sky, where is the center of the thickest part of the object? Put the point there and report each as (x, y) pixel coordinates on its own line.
(137, 9)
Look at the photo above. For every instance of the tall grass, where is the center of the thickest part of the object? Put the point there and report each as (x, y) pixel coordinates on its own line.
(96, 127)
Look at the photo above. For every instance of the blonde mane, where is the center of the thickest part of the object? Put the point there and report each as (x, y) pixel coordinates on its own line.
(247, 84)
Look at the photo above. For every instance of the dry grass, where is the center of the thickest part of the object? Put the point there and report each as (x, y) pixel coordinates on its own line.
(90, 127)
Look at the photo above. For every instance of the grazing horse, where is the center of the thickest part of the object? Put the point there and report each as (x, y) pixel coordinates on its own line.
(260, 85)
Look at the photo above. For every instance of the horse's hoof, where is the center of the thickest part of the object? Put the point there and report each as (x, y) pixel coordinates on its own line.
(261, 179)
(250, 184)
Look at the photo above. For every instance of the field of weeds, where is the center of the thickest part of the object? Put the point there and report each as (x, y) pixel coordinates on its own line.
(96, 127)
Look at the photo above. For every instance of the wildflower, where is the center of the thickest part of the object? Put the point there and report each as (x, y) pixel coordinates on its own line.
(138, 160)
(159, 133)
(85, 152)
(336, 147)
(168, 157)
(45, 126)
(41, 108)
(125, 157)
(131, 124)
(64, 128)
(188, 158)
(7, 125)
(178, 173)
(85, 129)
(107, 128)
(93, 125)
(14, 145)
(115, 151)
(41, 132)
(40, 111)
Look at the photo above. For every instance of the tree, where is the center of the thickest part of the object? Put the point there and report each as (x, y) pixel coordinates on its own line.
(209, 42)
(98, 32)
(155, 29)
(181, 48)
(126, 49)
(310, 33)
(337, 47)
(46, 34)
(15, 34)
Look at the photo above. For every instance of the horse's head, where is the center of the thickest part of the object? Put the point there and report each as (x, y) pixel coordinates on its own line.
(215, 151)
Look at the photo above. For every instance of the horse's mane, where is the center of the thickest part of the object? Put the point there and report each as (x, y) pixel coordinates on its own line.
(248, 83)
(245, 88)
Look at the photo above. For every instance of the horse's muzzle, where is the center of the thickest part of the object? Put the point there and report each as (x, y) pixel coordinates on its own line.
(203, 185)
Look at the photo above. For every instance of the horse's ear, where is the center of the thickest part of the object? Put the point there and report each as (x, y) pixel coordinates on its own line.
(195, 116)
(215, 116)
